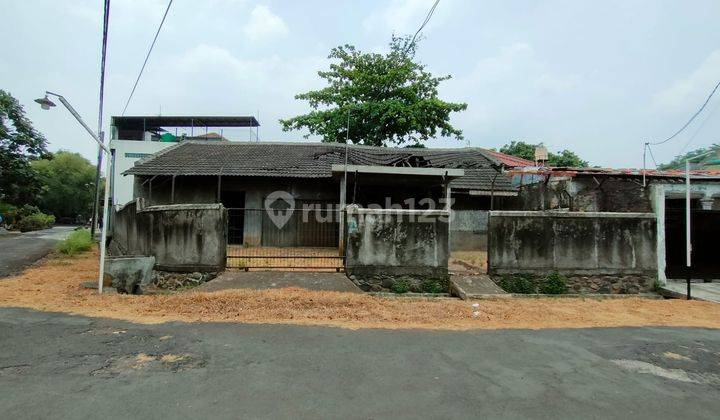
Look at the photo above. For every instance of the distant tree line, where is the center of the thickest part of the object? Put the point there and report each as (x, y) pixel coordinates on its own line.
(35, 184)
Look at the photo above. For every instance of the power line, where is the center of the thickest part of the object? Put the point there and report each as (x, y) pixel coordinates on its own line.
(700, 127)
(147, 56)
(691, 118)
(425, 22)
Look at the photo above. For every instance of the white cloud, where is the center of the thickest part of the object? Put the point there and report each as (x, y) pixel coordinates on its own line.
(405, 16)
(264, 24)
(689, 92)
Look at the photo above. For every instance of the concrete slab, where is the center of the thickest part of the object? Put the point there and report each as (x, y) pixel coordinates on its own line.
(232, 279)
(699, 291)
(468, 287)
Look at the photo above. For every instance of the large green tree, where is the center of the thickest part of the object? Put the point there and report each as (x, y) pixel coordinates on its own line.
(391, 99)
(67, 185)
(525, 150)
(679, 161)
(20, 144)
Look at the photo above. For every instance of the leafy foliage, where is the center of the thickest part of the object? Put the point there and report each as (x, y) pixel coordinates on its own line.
(520, 284)
(25, 218)
(391, 99)
(20, 143)
(525, 150)
(78, 241)
(679, 161)
(432, 286)
(554, 284)
(400, 286)
(66, 175)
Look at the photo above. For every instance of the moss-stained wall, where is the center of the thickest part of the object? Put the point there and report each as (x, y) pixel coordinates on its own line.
(572, 243)
(397, 242)
(181, 237)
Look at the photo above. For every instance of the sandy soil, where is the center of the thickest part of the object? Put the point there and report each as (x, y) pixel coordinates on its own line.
(55, 285)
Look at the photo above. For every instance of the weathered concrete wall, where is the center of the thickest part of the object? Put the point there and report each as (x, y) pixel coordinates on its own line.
(181, 237)
(397, 243)
(468, 230)
(586, 194)
(593, 246)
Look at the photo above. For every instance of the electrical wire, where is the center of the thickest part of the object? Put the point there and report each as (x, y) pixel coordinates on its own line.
(652, 156)
(691, 118)
(147, 56)
(425, 22)
(702, 124)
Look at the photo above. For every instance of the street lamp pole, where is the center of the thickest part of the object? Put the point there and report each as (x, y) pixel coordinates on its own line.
(46, 103)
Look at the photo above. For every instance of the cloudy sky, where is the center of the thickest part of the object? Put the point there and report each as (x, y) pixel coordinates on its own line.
(597, 77)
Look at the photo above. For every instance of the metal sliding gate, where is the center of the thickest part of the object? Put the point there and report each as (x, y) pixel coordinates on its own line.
(282, 238)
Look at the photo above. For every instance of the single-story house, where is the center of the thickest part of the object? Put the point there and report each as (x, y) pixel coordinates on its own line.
(243, 175)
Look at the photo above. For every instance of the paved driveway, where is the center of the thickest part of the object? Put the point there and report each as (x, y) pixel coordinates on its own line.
(18, 250)
(62, 366)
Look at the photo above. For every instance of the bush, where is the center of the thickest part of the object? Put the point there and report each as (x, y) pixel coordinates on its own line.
(554, 284)
(432, 286)
(34, 221)
(400, 286)
(78, 241)
(521, 284)
(8, 212)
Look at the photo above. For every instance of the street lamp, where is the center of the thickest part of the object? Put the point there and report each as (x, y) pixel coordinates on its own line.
(688, 235)
(46, 103)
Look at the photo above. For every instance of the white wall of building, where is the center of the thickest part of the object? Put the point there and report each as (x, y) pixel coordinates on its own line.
(127, 152)
(706, 192)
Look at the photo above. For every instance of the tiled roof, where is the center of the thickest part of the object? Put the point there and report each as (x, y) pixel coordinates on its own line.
(509, 160)
(314, 160)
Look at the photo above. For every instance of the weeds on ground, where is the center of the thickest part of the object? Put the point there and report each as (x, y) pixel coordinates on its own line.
(77, 242)
(520, 283)
(400, 286)
(432, 286)
(554, 284)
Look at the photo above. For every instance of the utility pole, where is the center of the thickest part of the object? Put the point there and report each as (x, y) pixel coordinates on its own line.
(101, 133)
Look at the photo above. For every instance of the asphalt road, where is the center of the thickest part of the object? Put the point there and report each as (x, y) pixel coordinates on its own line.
(18, 250)
(62, 366)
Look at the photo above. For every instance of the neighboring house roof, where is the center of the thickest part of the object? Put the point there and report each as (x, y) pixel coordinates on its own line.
(315, 160)
(622, 172)
(509, 160)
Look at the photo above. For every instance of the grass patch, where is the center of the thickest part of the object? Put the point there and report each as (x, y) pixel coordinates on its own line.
(77, 242)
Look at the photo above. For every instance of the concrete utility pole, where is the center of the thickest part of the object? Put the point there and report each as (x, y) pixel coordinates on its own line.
(101, 133)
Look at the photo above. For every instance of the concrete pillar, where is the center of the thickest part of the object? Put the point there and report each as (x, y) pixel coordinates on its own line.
(447, 196)
(341, 225)
(706, 203)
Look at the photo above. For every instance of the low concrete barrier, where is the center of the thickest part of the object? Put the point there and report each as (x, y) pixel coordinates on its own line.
(386, 243)
(181, 237)
(597, 251)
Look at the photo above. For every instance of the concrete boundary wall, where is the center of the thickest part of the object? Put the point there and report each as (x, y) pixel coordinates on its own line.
(385, 243)
(573, 243)
(181, 237)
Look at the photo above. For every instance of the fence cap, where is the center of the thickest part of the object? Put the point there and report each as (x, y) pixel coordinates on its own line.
(572, 214)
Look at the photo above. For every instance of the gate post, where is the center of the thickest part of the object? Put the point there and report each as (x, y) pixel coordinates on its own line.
(341, 227)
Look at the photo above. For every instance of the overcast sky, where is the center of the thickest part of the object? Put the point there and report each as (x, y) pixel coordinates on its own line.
(597, 77)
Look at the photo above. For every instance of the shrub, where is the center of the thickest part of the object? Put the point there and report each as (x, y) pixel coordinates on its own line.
(520, 283)
(400, 286)
(34, 221)
(8, 213)
(554, 284)
(432, 286)
(78, 241)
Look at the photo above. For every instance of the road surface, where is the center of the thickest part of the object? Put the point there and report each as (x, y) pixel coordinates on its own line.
(18, 250)
(62, 366)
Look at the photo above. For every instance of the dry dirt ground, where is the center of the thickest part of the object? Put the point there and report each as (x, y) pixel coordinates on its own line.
(55, 285)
